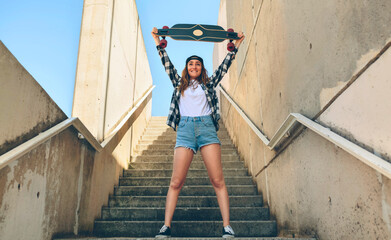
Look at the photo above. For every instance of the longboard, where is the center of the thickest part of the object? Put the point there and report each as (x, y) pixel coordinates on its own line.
(198, 32)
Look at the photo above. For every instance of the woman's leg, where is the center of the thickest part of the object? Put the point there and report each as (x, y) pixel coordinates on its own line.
(212, 158)
(182, 159)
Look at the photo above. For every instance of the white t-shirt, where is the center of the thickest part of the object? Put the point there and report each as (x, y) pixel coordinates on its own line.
(193, 102)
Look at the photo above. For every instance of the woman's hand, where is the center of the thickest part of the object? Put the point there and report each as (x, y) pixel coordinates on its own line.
(155, 37)
(239, 41)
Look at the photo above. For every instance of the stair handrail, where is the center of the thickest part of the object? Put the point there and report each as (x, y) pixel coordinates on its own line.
(109, 142)
(370, 159)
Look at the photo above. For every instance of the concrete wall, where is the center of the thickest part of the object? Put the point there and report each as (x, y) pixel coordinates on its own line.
(56, 189)
(112, 71)
(296, 56)
(60, 187)
(21, 118)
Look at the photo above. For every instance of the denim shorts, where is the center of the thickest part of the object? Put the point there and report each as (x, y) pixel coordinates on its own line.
(196, 132)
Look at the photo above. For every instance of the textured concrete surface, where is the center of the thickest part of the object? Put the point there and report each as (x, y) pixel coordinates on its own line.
(52, 189)
(60, 186)
(113, 71)
(26, 109)
(274, 238)
(136, 207)
(363, 112)
(122, 238)
(296, 56)
(93, 65)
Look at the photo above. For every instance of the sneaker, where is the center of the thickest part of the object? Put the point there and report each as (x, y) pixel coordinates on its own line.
(228, 232)
(165, 232)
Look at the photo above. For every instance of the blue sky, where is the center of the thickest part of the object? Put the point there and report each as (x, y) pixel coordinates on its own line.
(44, 36)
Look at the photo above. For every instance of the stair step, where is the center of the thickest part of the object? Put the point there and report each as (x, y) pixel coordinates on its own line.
(181, 228)
(190, 173)
(226, 141)
(158, 119)
(165, 181)
(170, 157)
(164, 131)
(181, 214)
(194, 165)
(179, 238)
(173, 134)
(171, 141)
(173, 137)
(183, 201)
(163, 122)
(157, 126)
(171, 151)
(137, 207)
(166, 146)
(233, 190)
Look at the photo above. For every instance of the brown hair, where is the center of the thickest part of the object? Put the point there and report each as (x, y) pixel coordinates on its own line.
(185, 80)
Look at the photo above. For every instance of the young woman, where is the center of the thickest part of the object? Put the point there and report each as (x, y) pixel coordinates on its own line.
(194, 114)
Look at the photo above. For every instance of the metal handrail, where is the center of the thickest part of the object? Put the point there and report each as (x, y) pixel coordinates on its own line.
(109, 143)
(360, 153)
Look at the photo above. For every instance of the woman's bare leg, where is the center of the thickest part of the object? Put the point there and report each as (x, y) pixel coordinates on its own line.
(211, 155)
(182, 159)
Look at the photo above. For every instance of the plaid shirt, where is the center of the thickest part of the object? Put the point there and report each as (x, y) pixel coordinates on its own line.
(209, 89)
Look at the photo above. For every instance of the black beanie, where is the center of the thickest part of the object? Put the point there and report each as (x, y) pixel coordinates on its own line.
(194, 57)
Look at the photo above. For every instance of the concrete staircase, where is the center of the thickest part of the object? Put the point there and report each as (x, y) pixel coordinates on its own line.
(136, 209)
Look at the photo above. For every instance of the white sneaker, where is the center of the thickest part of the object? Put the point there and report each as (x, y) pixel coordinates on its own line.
(228, 232)
(165, 232)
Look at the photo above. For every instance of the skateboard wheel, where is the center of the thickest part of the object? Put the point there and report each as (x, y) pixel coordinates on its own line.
(163, 43)
(230, 47)
(230, 30)
(165, 27)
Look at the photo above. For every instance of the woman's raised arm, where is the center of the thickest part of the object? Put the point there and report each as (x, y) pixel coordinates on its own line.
(155, 37)
(168, 66)
(223, 68)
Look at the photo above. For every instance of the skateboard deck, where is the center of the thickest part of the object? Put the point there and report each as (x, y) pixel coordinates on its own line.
(198, 32)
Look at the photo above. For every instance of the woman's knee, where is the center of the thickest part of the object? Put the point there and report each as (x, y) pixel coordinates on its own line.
(218, 182)
(176, 184)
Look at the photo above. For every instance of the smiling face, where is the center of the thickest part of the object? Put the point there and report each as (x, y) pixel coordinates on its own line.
(194, 68)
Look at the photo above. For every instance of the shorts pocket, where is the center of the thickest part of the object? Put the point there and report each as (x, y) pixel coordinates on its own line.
(208, 123)
(182, 123)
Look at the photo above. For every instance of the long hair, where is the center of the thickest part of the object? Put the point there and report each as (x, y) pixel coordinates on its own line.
(185, 80)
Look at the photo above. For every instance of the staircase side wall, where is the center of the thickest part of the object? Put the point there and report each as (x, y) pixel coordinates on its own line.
(143, 82)
(60, 187)
(296, 56)
(112, 72)
(56, 189)
(25, 108)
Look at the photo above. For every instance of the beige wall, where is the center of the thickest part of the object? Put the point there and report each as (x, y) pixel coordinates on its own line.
(143, 82)
(112, 71)
(21, 118)
(59, 187)
(296, 56)
(363, 112)
(92, 65)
